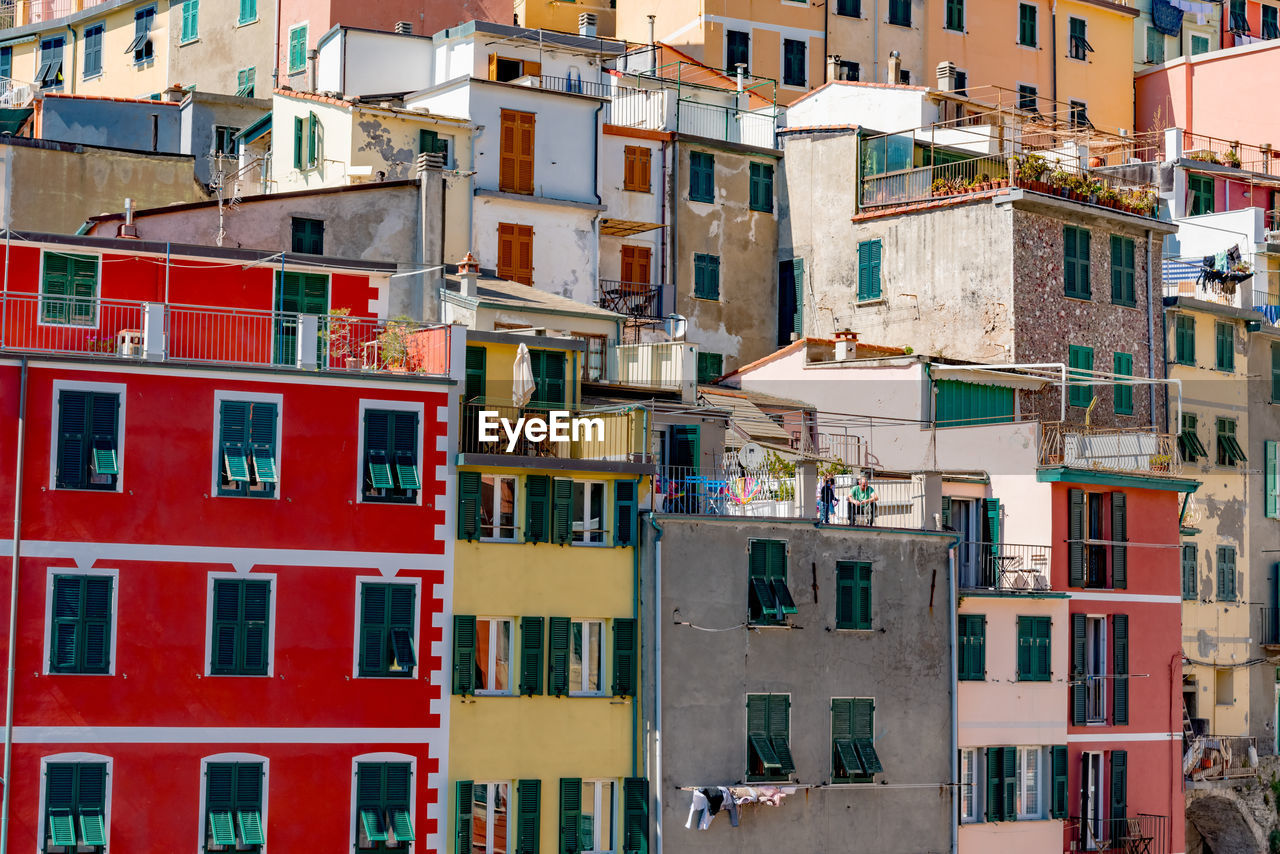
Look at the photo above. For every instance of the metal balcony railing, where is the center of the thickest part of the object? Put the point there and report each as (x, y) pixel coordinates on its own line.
(1136, 451)
(576, 86)
(634, 299)
(1003, 566)
(1141, 834)
(1269, 626)
(615, 435)
(1095, 699)
(1220, 757)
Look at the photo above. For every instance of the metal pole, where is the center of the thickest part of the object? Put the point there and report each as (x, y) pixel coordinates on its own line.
(13, 614)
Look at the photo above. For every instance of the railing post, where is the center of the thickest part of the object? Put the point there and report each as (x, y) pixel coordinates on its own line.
(154, 343)
(308, 341)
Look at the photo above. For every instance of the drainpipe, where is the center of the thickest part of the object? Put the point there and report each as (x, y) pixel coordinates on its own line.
(13, 612)
(275, 65)
(1151, 335)
(1053, 55)
(955, 700)
(168, 257)
(673, 195)
(636, 711)
(655, 784)
(595, 220)
(875, 42)
(72, 30)
(662, 220)
(826, 33)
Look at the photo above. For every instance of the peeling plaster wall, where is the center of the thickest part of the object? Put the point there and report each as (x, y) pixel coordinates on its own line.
(630, 204)
(564, 243)
(213, 61)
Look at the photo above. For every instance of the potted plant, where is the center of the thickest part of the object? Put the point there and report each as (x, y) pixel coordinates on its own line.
(1160, 462)
(938, 187)
(1060, 181)
(339, 337)
(983, 181)
(393, 344)
(1231, 158)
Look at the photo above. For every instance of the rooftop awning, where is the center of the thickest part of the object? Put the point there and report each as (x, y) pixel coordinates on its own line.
(255, 130)
(626, 227)
(747, 418)
(978, 376)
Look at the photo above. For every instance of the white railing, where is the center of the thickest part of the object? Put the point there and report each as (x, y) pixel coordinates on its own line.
(725, 123)
(660, 364)
(637, 108)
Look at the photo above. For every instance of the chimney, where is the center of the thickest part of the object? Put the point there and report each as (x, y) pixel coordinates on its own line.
(404, 28)
(894, 66)
(128, 229)
(947, 76)
(469, 274)
(311, 64)
(587, 24)
(833, 67)
(846, 345)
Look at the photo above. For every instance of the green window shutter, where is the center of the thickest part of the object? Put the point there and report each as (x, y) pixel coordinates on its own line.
(1227, 573)
(463, 792)
(1076, 245)
(625, 494)
(377, 445)
(468, 505)
(1009, 755)
(373, 636)
(248, 802)
(103, 419)
(797, 276)
(475, 373)
(702, 182)
(531, 640)
(464, 654)
(1119, 535)
(1034, 653)
(1189, 581)
(313, 129)
(248, 10)
(234, 440)
(1058, 768)
(262, 442)
(863, 738)
(991, 527)
(1122, 271)
(528, 824)
(946, 511)
(777, 574)
(220, 801)
(780, 731)
(562, 511)
(869, 270)
(1027, 24)
(60, 802)
(548, 377)
(1077, 669)
(1080, 390)
(995, 784)
(844, 759)
(96, 651)
(758, 745)
(1185, 341)
(81, 640)
(973, 647)
(64, 653)
(387, 616)
(635, 815)
(1120, 665)
(846, 594)
(763, 607)
(190, 20)
(1119, 785)
(761, 188)
(1122, 365)
(299, 141)
(1224, 338)
(537, 508)
(400, 625)
(1275, 372)
(625, 652)
(1271, 488)
(1026, 650)
(570, 814)
(862, 596)
(73, 441)
(404, 449)
(558, 656)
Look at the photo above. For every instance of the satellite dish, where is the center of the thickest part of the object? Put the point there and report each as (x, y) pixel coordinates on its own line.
(751, 456)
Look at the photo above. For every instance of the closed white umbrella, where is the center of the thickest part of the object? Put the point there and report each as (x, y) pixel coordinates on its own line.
(522, 385)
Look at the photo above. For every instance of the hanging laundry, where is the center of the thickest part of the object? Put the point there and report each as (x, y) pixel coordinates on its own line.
(698, 815)
(731, 805)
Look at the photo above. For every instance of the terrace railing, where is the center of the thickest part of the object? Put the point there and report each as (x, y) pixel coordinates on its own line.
(1003, 567)
(1133, 451)
(616, 435)
(1141, 834)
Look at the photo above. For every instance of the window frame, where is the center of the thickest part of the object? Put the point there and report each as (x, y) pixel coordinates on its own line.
(50, 620)
(1155, 46)
(702, 164)
(1034, 25)
(488, 846)
(246, 78)
(637, 159)
(241, 20)
(493, 624)
(306, 234)
(238, 759)
(216, 487)
(415, 635)
(862, 748)
(964, 625)
(1224, 333)
(290, 68)
(956, 25)
(118, 389)
(1078, 47)
(394, 406)
(495, 509)
(1079, 394)
(354, 809)
(1229, 451)
(1202, 191)
(969, 790)
(190, 12)
(731, 67)
(581, 514)
(1079, 260)
(1122, 393)
(1123, 271)
(1184, 332)
(1199, 41)
(1028, 98)
(760, 617)
(597, 787)
(1026, 628)
(1226, 588)
(144, 24)
(849, 8)
(1024, 754)
(704, 265)
(586, 623)
(871, 288)
(75, 758)
(760, 195)
(1190, 581)
(100, 30)
(211, 619)
(69, 300)
(789, 59)
(783, 774)
(902, 18)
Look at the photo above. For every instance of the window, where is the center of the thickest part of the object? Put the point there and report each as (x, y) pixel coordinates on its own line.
(387, 614)
(515, 252)
(790, 300)
(849, 8)
(1027, 25)
(1199, 45)
(636, 170)
(1034, 660)
(973, 647)
(308, 235)
(489, 818)
(1097, 528)
(1238, 20)
(1079, 114)
(1029, 789)
(248, 11)
(1080, 47)
(298, 49)
(955, 15)
(968, 789)
(904, 77)
(768, 597)
(595, 821)
(737, 51)
(1226, 574)
(1185, 340)
(75, 804)
(92, 50)
(516, 151)
(244, 82)
(702, 177)
(382, 805)
(1075, 269)
(869, 270)
(1080, 390)
(710, 366)
(847, 70)
(588, 512)
(482, 652)
(225, 143)
(1089, 668)
(1271, 479)
(1189, 581)
(233, 806)
(586, 657)
(6, 68)
(69, 289)
(961, 404)
(1224, 350)
(1122, 271)
(768, 737)
(1122, 366)
(80, 632)
(636, 269)
(853, 595)
(1224, 691)
(794, 63)
(900, 12)
(143, 20)
(431, 142)
(962, 83)
(762, 187)
(1200, 187)
(498, 507)
(593, 359)
(548, 379)
(391, 456)
(190, 21)
(853, 753)
(1028, 98)
(240, 630)
(706, 276)
(1155, 45)
(88, 440)
(504, 69)
(1275, 373)
(1229, 450)
(306, 141)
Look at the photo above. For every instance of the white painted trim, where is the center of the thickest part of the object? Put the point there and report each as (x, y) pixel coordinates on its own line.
(413, 792)
(201, 830)
(605, 626)
(59, 386)
(248, 397)
(74, 757)
(746, 24)
(1094, 738)
(394, 406)
(223, 735)
(489, 822)
(1114, 597)
(416, 583)
(97, 294)
(270, 578)
(50, 572)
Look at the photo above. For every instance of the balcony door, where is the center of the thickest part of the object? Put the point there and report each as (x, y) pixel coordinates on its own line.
(1091, 798)
(1095, 660)
(297, 294)
(964, 518)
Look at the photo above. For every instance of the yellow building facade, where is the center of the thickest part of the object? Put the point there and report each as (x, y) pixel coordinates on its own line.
(543, 718)
(562, 16)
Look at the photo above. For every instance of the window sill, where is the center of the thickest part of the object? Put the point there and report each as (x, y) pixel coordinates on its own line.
(701, 201)
(247, 23)
(905, 26)
(599, 545)
(188, 41)
(648, 190)
(870, 302)
(494, 694)
(853, 628)
(758, 778)
(751, 625)
(1040, 679)
(384, 676)
(141, 64)
(960, 32)
(598, 695)
(1124, 303)
(762, 210)
(845, 781)
(1078, 298)
(707, 299)
(237, 675)
(511, 541)
(88, 77)
(1027, 46)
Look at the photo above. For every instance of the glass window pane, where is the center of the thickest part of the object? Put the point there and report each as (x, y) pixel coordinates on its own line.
(483, 670)
(1031, 764)
(586, 822)
(487, 487)
(595, 515)
(575, 657)
(605, 819)
(593, 683)
(579, 511)
(501, 655)
(507, 507)
(479, 818)
(499, 825)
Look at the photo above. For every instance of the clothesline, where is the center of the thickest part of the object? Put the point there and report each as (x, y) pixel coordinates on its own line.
(844, 787)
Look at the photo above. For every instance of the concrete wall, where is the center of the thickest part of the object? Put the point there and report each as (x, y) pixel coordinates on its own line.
(706, 676)
(630, 204)
(225, 46)
(553, 15)
(1174, 46)
(564, 242)
(1263, 533)
(358, 62)
(202, 112)
(114, 124)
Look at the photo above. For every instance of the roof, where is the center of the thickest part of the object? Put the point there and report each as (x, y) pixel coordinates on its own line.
(260, 127)
(872, 350)
(369, 104)
(596, 44)
(817, 129)
(867, 84)
(492, 292)
(747, 419)
(67, 96)
(262, 197)
(757, 397)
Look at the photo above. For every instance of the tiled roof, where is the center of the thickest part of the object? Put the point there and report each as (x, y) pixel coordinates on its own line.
(75, 97)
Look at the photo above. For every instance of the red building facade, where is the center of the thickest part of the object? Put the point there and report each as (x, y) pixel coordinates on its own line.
(233, 574)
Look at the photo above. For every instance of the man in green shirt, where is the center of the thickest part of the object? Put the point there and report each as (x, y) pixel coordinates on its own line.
(862, 503)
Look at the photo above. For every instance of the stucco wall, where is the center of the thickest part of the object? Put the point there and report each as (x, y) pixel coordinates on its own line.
(706, 676)
(1186, 93)
(116, 124)
(1264, 534)
(225, 46)
(564, 242)
(868, 41)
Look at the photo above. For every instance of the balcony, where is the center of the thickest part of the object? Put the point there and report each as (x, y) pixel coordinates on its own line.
(17, 13)
(1269, 628)
(1003, 567)
(606, 436)
(1141, 834)
(665, 109)
(1137, 451)
(159, 332)
(635, 299)
(667, 365)
(1219, 757)
(1095, 698)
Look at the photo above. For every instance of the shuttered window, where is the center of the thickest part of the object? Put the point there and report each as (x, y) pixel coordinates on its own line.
(1224, 349)
(474, 387)
(387, 620)
(382, 805)
(1080, 390)
(853, 595)
(80, 637)
(961, 404)
(972, 630)
(869, 270)
(849, 8)
(1027, 24)
(1185, 341)
(515, 252)
(710, 366)
(625, 496)
(569, 827)
(464, 654)
(1120, 669)
(1229, 450)
(190, 20)
(537, 508)
(245, 81)
(706, 276)
(955, 15)
(1078, 673)
(92, 52)
(790, 300)
(69, 289)
(75, 804)
(1075, 251)
(233, 805)
(562, 514)
(1075, 537)
(558, 632)
(761, 192)
(795, 63)
(88, 440)
(391, 456)
(737, 51)
(1119, 536)
(702, 177)
(900, 13)
(241, 627)
(1271, 479)
(1122, 366)
(1189, 444)
(516, 149)
(769, 737)
(469, 505)
(1002, 784)
(853, 753)
(625, 657)
(247, 461)
(248, 11)
(532, 638)
(1226, 574)
(1201, 191)
(769, 598)
(635, 815)
(306, 141)
(307, 235)
(141, 46)
(1189, 580)
(1119, 786)
(1058, 803)
(636, 171)
(297, 49)
(548, 379)
(528, 817)
(299, 293)
(1034, 649)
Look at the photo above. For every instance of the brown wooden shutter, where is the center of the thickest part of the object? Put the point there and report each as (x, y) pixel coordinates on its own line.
(629, 163)
(532, 69)
(493, 66)
(508, 156)
(524, 152)
(524, 254)
(506, 250)
(628, 264)
(643, 182)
